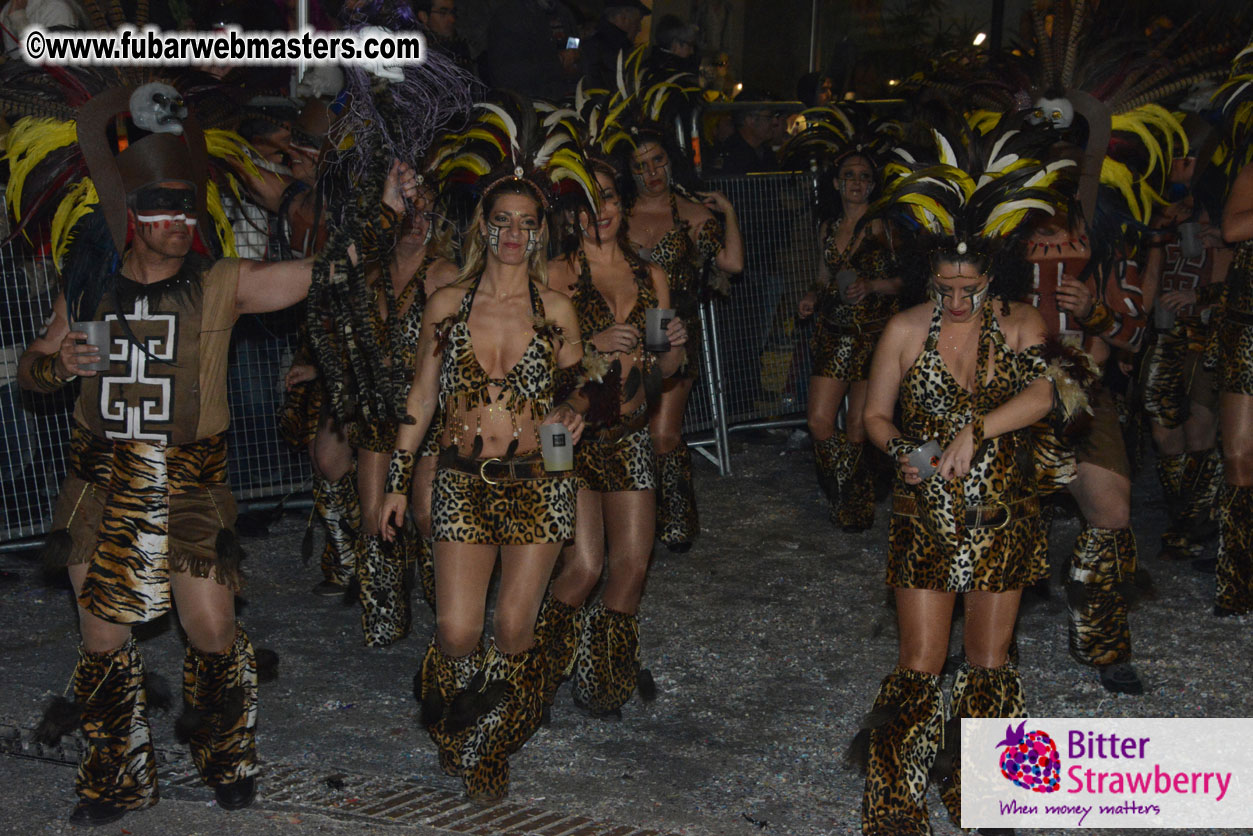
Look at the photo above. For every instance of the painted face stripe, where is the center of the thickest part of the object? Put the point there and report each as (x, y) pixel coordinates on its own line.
(156, 219)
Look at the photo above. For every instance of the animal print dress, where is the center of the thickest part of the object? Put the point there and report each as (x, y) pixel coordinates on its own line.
(684, 263)
(1235, 370)
(845, 335)
(980, 532)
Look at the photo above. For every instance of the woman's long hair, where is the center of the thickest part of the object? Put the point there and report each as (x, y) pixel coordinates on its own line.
(830, 206)
(476, 246)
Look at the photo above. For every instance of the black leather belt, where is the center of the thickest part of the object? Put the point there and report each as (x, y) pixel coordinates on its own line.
(996, 515)
(493, 470)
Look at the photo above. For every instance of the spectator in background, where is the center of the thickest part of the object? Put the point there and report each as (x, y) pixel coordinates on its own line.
(616, 31)
(438, 19)
(674, 47)
(749, 149)
(529, 50)
(19, 15)
(812, 90)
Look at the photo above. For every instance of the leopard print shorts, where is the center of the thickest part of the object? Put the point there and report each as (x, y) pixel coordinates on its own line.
(623, 465)
(467, 509)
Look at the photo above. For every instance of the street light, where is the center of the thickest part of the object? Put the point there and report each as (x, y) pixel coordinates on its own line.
(980, 38)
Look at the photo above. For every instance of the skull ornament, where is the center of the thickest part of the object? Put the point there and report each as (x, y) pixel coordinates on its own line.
(158, 108)
(1058, 112)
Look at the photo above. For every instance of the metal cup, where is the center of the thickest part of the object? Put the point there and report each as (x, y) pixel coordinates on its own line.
(656, 321)
(1190, 240)
(97, 332)
(1164, 319)
(843, 281)
(926, 457)
(557, 447)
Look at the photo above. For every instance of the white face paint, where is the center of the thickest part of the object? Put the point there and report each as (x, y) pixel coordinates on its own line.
(960, 290)
(516, 221)
(166, 219)
(1057, 112)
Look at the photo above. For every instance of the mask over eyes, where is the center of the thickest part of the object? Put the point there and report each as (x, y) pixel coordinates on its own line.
(156, 204)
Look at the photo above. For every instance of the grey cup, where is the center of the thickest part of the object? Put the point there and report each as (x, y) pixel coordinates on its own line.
(926, 457)
(656, 320)
(1190, 240)
(97, 332)
(843, 281)
(557, 447)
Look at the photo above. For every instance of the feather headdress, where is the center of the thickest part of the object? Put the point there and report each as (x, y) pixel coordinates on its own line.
(833, 131)
(1234, 101)
(72, 166)
(968, 191)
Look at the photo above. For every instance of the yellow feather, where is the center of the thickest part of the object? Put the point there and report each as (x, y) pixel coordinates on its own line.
(76, 204)
(213, 202)
(31, 140)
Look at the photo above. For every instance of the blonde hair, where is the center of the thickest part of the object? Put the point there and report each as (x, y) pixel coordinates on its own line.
(476, 246)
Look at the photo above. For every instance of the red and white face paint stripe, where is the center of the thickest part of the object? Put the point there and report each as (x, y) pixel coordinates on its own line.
(164, 221)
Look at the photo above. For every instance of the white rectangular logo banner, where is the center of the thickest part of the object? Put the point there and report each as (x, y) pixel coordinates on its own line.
(1121, 773)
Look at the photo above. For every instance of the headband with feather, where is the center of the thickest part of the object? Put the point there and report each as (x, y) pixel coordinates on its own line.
(832, 132)
(1234, 101)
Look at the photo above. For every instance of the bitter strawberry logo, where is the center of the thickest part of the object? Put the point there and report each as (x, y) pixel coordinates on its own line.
(1030, 759)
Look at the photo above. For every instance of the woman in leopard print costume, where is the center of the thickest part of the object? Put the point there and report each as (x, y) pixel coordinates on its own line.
(966, 372)
(1235, 406)
(611, 289)
(489, 356)
(854, 298)
(682, 237)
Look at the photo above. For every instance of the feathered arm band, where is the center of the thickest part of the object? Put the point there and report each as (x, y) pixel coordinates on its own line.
(1075, 378)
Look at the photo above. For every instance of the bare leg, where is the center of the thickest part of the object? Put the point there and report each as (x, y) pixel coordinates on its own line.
(206, 609)
(629, 520)
(990, 618)
(825, 396)
(925, 617)
(524, 574)
(583, 561)
(99, 636)
(463, 572)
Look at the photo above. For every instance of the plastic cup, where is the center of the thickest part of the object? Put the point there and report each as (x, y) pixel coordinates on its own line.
(843, 281)
(1190, 240)
(555, 444)
(656, 321)
(97, 332)
(926, 457)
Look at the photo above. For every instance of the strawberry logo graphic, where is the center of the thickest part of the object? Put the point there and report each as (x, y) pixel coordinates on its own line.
(1030, 759)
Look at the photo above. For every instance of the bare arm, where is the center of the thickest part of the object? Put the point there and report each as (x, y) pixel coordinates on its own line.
(1238, 213)
(809, 301)
(730, 258)
(36, 373)
(272, 286)
(887, 368)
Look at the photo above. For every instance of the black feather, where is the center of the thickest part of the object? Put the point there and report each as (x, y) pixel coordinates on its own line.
(60, 718)
(160, 697)
(57, 547)
(229, 551)
(647, 685)
(632, 385)
(267, 665)
(352, 592)
(306, 546)
(1076, 595)
(189, 722)
(858, 754)
(475, 701)
(232, 706)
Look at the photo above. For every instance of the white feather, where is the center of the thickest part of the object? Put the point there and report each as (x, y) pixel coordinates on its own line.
(511, 127)
(947, 156)
(1013, 206)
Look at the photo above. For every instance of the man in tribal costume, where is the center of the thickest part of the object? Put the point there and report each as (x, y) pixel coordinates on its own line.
(145, 521)
(1099, 312)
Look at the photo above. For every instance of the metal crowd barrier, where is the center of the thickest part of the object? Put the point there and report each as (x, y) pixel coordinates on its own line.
(755, 369)
(757, 374)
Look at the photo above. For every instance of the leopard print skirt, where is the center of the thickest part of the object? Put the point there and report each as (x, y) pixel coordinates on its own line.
(467, 509)
(840, 354)
(626, 464)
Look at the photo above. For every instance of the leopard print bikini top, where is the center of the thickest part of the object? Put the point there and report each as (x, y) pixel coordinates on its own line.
(526, 391)
(680, 257)
(595, 316)
(398, 333)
